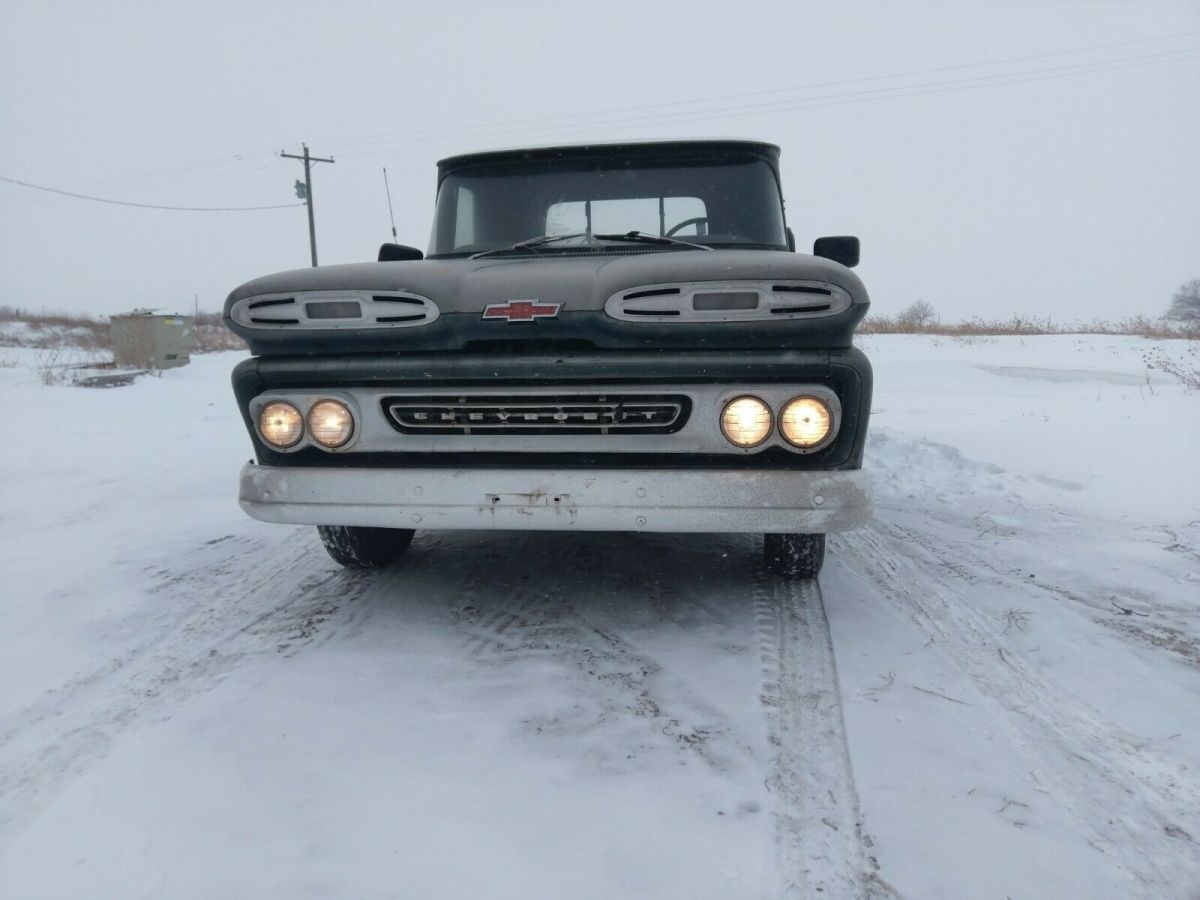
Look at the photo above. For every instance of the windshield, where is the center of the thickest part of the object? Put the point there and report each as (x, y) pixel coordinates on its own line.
(490, 207)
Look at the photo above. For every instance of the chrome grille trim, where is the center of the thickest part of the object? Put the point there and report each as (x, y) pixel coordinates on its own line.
(777, 300)
(698, 429)
(335, 310)
(550, 414)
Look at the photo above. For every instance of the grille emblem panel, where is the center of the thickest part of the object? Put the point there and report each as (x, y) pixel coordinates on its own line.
(521, 311)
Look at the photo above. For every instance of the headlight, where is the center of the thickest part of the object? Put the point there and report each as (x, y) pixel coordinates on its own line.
(281, 424)
(805, 422)
(330, 423)
(746, 422)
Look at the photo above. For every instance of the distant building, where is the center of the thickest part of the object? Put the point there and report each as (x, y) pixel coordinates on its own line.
(147, 340)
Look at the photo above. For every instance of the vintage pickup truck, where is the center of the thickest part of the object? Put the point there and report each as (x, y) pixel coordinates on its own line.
(610, 337)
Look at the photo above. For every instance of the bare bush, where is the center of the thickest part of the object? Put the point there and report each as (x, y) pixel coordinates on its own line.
(93, 335)
(48, 364)
(1186, 371)
(919, 314)
(54, 329)
(1137, 326)
(1185, 305)
(212, 336)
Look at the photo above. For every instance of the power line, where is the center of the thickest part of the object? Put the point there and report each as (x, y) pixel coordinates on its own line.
(927, 87)
(566, 118)
(139, 179)
(50, 190)
(144, 182)
(998, 79)
(572, 123)
(833, 99)
(420, 139)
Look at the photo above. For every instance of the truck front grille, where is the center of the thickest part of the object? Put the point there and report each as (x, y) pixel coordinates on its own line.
(536, 414)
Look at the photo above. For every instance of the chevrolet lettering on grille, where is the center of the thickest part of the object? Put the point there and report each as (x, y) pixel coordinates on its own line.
(537, 415)
(522, 310)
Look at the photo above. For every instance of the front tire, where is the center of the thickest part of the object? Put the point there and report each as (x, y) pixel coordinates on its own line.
(794, 555)
(364, 548)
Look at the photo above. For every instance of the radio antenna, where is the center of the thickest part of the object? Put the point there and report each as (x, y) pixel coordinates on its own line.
(391, 212)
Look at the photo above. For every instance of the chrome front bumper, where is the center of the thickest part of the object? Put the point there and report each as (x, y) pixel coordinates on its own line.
(671, 500)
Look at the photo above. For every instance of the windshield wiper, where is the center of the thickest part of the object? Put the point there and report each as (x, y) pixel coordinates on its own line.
(633, 237)
(530, 244)
(639, 237)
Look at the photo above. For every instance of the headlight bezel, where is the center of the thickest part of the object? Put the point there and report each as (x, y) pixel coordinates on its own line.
(283, 404)
(767, 431)
(304, 403)
(831, 427)
(314, 429)
(777, 397)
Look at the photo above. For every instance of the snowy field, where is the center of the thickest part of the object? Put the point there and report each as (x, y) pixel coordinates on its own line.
(994, 693)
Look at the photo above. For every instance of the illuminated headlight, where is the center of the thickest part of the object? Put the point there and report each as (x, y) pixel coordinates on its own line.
(330, 423)
(805, 422)
(281, 424)
(746, 422)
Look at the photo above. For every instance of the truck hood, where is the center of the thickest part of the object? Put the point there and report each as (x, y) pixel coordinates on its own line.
(580, 281)
(462, 288)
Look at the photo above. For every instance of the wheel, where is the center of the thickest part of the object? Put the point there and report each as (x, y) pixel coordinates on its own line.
(364, 548)
(794, 555)
(674, 229)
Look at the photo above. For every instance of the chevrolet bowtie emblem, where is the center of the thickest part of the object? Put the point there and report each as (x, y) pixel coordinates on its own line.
(522, 310)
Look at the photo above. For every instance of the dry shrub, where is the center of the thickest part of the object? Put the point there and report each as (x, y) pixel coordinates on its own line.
(1185, 305)
(64, 365)
(57, 329)
(212, 336)
(919, 314)
(1137, 326)
(60, 329)
(46, 362)
(1186, 371)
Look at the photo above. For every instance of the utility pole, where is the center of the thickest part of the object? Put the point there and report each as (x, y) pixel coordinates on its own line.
(304, 192)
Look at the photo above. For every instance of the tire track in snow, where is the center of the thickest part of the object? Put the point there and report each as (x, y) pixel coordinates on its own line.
(293, 592)
(186, 591)
(1171, 629)
(822, 845)
(1135, 807)
(519, 622)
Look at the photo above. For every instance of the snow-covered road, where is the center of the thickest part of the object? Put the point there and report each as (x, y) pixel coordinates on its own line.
(994, 692)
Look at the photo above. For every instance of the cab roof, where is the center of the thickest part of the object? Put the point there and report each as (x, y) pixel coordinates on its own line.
(657, 149)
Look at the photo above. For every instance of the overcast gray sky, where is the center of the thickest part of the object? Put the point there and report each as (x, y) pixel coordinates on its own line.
(1036, 158)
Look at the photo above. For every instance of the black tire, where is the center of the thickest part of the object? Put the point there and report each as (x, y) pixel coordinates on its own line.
(794, 555)
(364, 548)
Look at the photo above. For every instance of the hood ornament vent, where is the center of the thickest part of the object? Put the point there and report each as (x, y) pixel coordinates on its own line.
(335, 310)
(696, 302)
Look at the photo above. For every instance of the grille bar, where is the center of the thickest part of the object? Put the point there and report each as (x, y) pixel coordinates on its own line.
(556, 414)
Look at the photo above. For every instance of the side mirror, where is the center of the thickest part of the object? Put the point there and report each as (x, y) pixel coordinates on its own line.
(840, 249)
(399, 253)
